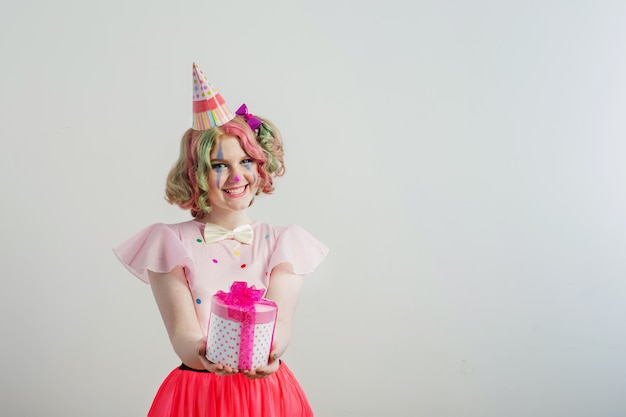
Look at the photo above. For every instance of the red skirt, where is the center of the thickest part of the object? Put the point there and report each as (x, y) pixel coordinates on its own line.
(187, 393)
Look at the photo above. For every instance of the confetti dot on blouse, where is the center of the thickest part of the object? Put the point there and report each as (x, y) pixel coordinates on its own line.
(214, 261)
(198, 301)
(198, 240)
(267, 236)
(236, 253)
(243, 265)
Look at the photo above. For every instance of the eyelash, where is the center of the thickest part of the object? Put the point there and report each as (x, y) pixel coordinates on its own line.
(222, 165)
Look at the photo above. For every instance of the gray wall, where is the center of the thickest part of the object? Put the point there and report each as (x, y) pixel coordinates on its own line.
(464, 161)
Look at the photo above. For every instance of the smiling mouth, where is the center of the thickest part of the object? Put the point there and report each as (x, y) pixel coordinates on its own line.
(236, 191)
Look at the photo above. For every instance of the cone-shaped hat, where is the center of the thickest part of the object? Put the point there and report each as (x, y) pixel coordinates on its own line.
(209, 108)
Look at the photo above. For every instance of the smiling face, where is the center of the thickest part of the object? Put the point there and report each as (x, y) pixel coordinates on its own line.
(233, 177)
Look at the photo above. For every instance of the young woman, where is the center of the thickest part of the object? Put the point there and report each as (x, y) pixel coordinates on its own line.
(225, 161)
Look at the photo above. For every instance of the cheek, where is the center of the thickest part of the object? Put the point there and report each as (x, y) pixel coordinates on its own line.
(215, 177)
(253, 171)
(218, 171)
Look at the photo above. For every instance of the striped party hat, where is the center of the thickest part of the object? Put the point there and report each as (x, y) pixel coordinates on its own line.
(209, 108)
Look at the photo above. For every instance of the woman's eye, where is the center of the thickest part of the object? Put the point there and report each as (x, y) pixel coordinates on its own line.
(247, 161)
(218, 165)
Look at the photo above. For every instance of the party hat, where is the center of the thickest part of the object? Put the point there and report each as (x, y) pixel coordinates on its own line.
(209, 108)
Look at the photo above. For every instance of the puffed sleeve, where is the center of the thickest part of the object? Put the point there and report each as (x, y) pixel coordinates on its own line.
(156, 248)
(299, 248)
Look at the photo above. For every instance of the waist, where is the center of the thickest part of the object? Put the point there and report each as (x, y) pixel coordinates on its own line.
(184, 367)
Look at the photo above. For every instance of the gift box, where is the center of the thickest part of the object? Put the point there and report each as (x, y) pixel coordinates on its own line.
(241, 327)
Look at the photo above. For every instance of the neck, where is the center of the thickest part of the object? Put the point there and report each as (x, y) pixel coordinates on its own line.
(228, 220)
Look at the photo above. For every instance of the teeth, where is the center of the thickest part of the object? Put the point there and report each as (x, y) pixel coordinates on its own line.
(236, 190)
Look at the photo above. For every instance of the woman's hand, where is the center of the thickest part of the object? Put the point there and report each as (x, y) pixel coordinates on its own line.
(264, 371)
(216, 368)
(284, 289)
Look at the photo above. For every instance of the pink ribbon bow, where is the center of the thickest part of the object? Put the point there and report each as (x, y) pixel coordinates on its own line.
(240, 294)
(244, 297)
(253, 122)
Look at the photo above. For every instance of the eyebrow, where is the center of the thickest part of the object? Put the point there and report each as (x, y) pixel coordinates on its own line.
(237, 159)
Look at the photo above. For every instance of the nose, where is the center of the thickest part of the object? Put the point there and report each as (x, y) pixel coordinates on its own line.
(235, 175)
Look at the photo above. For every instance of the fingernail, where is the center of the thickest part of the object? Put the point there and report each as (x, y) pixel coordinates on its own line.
(275, 356)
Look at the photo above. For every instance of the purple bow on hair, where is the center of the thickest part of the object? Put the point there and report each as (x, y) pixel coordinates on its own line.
(253, 122)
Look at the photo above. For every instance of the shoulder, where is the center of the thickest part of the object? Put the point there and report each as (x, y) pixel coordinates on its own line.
(294, 245)
(189, 226)
(171, 230)
(158, 247)
(292, 235)
(268, 230)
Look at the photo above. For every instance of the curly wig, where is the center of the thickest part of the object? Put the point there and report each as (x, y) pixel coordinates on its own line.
(187, 185)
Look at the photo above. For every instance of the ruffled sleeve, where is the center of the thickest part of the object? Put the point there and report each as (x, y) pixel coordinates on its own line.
(299, 248)
(156, 248)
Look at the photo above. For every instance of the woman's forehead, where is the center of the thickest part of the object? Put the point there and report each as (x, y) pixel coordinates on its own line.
(227, 146)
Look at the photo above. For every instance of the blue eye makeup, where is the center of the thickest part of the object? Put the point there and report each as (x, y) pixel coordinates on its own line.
(247, 163)
(219, 166)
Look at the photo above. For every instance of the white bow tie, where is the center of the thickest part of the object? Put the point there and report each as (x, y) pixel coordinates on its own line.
(215, 233)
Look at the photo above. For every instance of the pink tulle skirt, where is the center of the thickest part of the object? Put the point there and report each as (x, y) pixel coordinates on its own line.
(186, 393)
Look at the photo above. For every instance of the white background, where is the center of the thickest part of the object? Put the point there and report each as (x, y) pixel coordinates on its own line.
(463, 160)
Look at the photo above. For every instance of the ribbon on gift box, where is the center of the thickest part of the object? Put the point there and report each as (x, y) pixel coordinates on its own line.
(241, 301)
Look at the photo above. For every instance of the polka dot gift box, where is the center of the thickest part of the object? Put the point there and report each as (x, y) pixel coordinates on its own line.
(241, 327)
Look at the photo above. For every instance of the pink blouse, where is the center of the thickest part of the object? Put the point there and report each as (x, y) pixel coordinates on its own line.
(214, 266)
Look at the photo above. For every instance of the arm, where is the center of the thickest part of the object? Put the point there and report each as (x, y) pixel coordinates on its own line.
(284, 290)
(175, 303)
